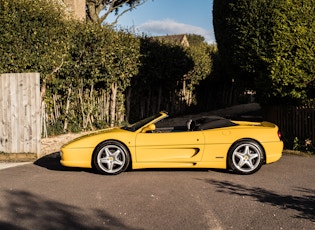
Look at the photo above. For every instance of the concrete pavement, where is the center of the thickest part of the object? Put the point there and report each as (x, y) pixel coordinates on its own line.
(4, 165)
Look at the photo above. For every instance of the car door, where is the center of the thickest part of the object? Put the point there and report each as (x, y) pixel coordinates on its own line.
(170, 147)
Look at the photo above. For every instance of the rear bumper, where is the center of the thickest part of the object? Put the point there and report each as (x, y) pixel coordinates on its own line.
(273, 151)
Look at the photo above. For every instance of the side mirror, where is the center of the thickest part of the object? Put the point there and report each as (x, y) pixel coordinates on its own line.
(148, 128)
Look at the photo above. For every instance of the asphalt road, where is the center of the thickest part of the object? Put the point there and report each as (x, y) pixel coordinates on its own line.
(45, 195)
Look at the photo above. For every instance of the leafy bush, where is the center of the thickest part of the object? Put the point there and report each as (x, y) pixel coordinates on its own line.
(268, 46)
(306, 146)
(33, 38)
(92, 75)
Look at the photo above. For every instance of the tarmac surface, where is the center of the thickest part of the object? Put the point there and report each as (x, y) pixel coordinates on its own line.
(47, 195)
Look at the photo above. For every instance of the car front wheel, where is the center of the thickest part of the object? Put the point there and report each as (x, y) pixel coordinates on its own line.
(111, 157)
(246, 157)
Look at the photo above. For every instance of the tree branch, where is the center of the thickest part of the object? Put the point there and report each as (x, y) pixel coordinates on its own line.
(110, 10)
(127, 10)
(57, 68)
(95, 7)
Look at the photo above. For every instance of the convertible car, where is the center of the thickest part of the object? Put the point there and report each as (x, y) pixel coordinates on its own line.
(206, 142)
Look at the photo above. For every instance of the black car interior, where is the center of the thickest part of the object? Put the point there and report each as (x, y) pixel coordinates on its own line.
(204, 123)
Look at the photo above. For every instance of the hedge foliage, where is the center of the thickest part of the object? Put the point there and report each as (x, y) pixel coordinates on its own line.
(93, 76)
(33, 37)
(268, 46)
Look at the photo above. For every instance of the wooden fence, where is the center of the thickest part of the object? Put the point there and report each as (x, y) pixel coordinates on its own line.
(293, 122)
(20, 124)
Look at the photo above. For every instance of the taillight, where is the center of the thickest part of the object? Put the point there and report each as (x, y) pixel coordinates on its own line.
(279, 134)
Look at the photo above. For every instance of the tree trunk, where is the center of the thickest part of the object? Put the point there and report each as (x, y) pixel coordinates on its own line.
(90, 108)
(149, 103)
(82, 107)
(128, 96)
(159, 101)
(65, 126)
(113, 104)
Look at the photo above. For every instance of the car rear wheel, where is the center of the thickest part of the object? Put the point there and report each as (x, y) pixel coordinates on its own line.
(246, 157)
(111, 157)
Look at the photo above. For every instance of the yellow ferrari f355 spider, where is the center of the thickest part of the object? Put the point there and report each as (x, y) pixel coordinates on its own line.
(207, 142)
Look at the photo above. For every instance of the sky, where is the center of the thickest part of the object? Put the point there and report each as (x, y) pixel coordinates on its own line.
(168, 17)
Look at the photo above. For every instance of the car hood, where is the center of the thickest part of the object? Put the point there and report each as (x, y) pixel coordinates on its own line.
(94, 138)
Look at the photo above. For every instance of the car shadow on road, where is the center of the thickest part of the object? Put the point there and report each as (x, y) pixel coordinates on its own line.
(303, 204)
(26, 210)
(52, 162)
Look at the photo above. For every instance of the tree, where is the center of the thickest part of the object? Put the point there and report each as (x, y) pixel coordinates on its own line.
(98, 10)
(168, 75)
(243, 34)
(160, 79)
(292, 66)
(267, 45)
(80, 76)
(200, 53)
(121, 65)
(90, 87)
(195, 39)
(217, 90)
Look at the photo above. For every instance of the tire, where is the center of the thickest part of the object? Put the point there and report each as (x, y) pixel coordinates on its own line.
(246, 157)
(111, 157)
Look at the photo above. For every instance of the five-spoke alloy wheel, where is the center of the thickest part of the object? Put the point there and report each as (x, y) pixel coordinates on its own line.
(111, 157)
(246, 157)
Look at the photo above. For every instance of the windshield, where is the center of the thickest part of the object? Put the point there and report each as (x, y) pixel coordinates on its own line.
(141, 123)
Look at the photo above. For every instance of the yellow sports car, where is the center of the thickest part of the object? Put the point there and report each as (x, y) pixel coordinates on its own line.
(207, 142)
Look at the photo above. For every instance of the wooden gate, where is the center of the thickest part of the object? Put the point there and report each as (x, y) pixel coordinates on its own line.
(20, 123)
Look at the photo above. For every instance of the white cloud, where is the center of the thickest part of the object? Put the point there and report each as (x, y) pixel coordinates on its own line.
(170, 27)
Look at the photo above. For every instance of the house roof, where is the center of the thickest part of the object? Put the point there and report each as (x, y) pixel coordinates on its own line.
(180, 39)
